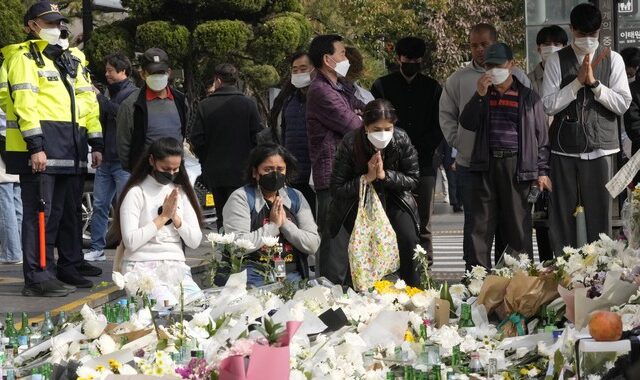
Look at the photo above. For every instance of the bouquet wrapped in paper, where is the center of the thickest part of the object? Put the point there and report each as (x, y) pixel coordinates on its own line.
(593, 277)
(631, 218)
(515, 290)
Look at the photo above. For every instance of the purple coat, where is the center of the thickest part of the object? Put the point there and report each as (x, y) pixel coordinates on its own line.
(330, 115)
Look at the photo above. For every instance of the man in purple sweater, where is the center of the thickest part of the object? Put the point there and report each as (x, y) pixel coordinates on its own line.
(332, 111)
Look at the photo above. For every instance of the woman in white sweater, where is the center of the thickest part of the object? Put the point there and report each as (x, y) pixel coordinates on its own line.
(159, 215)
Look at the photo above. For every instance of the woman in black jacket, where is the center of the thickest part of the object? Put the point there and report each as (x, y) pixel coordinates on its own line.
(385, 157)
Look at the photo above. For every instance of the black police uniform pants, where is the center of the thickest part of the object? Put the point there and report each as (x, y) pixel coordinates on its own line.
(61, 194)
(499, 202)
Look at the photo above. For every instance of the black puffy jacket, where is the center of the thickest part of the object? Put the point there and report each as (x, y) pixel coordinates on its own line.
(402, 172)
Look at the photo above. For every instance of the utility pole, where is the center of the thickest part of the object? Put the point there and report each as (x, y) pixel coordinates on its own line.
(87, 20)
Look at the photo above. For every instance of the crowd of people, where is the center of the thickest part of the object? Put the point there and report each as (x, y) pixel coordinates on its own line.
(501, 137)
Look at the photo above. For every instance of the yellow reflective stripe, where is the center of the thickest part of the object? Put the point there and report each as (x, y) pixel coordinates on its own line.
(94, 135)
(25, 86)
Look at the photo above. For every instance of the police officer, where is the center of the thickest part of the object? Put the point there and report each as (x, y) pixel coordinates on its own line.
(48, 96)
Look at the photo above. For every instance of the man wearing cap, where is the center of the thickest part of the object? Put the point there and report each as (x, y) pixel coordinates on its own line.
(223, 150)
(585, 89)
(457, 91)
(510, 154)
(156, 110)
(46, 97)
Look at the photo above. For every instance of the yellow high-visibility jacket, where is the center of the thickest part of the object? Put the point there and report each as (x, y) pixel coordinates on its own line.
(46, 111)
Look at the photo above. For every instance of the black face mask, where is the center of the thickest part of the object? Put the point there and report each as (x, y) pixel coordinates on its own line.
(164, 178)
(410, 68)
(273, 181)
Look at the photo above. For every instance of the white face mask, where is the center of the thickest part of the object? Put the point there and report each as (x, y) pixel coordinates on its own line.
(380, 139)
(546, 51)
(498, 75)
(301, 80)
(63, 43)
(631, 80)
(51, 35)
(157, 82)
(587, 45)
(342, 67)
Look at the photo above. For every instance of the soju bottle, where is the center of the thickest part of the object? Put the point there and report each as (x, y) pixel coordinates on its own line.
(390, 375)
(423, 333)
(36, 335)
(10, 330)
(62, 319)
(445, 295)
(25, 331)
(455, 356)
(465, 316)
(47, 326)
(436, 372)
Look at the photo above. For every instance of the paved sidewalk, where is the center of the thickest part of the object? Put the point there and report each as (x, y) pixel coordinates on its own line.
(11, 283)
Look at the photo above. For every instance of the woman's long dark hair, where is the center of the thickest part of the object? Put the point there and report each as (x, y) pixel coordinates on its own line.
(263, 151)
(160, 149)
(375, 111)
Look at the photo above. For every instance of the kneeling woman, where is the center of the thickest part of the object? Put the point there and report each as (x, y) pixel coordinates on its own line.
(384, 157)
(159, 214)
(267, 207)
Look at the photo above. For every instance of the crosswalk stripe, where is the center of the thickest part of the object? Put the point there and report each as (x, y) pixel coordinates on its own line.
(447, 248)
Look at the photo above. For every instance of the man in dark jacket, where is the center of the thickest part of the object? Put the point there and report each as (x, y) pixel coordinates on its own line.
(154, 111)
(332, 111)
(223, 134)
(110, 177)
(294, 125)
(510, 154)
(415, 96)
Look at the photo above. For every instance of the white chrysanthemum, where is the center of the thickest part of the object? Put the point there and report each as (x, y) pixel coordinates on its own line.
(403, 298)
(418, 251)
(146, 283)
(244, 244)
(87, 372)
(118, 280)
(269, 241)
(478, 272)
(202, 319)
(214, 238)
(570, 250)
(228, 238)
(420, 300)
(510, 261)
(475, 286)
(533, 373)
(106, 344)
(400, 284)
(458, 291)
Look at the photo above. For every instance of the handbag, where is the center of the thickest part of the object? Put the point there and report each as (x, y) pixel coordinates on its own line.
(373, 248)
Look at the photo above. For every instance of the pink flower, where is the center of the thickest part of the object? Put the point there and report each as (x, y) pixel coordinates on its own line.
(242, 347)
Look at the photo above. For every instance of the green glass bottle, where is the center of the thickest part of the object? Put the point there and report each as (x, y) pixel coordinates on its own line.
(408, 372)
(423, 333)
(47, 326)
(446, 295)
(455, 356)
(435, 372)
(465, 316)
(25, 331)
(390, 375)
(10, 330)
(550, 324)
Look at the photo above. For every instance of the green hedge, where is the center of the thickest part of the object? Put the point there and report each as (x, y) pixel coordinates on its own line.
(218, 38)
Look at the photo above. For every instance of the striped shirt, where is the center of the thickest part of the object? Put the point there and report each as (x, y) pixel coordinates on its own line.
(503, 119)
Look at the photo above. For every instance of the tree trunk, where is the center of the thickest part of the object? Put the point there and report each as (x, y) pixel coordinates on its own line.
(87, 20)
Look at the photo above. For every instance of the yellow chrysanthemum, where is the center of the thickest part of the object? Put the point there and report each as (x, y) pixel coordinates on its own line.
(408, 336)
(383, 287)
(524, 371)
(100, 368)
(411, 291)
